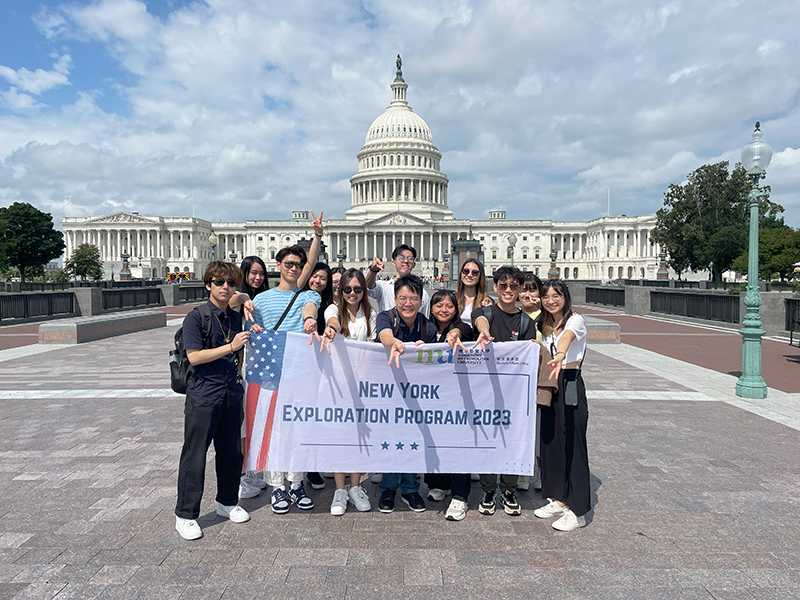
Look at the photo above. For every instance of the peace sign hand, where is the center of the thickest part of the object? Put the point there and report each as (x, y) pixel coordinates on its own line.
(317, 223)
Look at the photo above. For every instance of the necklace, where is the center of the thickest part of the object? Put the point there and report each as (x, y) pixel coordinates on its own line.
(224, 335)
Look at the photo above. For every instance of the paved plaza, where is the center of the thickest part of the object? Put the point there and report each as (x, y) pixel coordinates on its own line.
(696, 494)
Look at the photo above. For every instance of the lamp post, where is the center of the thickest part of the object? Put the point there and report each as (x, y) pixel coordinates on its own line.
(233, 257)
(663, 272)
(512, 241)
(446, 268)
(553, 272)
(212, 239)
(755, 159)
(340, 256)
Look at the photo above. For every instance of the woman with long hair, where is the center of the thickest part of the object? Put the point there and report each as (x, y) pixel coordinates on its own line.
(529, 298)
(564, 454)
(336, 277)
(353, 318)
(445, 315)
(471, 291)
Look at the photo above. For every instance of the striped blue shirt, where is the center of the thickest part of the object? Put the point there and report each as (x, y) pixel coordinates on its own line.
(269, 307)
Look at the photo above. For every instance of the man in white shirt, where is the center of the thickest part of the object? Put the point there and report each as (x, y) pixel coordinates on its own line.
(404, 259)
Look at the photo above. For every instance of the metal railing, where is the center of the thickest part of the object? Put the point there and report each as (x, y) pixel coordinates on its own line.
(43, 286)
(130, 297)
(193, 293)
(791, 304)
(44, 304)
(711, 307)
(608, 296)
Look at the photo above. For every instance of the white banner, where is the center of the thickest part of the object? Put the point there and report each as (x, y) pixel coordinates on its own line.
(470, 412)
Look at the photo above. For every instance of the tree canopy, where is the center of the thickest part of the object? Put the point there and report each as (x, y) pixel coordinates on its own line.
(28, 239)
(778, 251)
(85, 262)
(705, 222)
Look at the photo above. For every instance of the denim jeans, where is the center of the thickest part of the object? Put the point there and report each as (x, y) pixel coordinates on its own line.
(407, 482)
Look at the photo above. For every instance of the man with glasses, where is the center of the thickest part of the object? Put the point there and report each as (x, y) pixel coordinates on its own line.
(508, 324)
(268, 307)
(213, 339)
(404, 259)
(403, 323)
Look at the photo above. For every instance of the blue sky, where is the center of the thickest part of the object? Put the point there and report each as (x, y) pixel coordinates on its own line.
(258, 108)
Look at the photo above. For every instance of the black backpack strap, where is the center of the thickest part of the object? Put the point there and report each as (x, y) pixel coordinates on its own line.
(289, 306)
(487, 312)
(525, 323)
(205, 319)
(395, 320)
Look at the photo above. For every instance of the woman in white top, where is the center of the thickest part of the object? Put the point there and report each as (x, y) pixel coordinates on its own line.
(471, 291)
(352, 317)
(564, 455)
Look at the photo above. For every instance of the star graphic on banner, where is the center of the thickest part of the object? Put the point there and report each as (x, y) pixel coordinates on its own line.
(269, 339)
(263, 345)
(385, 445)
(274, 347)
(262, 360)
(273, 360)
(267, 367)
(399, 445)
(249, 372)
(272, 374)
(415, 446)
(258, 351)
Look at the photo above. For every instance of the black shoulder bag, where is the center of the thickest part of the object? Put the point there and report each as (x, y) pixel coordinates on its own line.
(286, 312)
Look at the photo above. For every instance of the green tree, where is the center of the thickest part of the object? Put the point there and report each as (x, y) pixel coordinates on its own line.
(704, 223)
(778, 251)
(28, 238)
(85, 262)
(59, 276)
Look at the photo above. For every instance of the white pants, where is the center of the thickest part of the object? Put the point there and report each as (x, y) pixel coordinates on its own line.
(274, 478)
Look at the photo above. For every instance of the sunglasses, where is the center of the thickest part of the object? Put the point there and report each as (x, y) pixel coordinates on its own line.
(508, 286)
(291, 264)
(352, 290)
(219, 282)
(468, 272)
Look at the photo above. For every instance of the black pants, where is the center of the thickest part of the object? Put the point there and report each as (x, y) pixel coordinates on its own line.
(507, 482)
(440, 481)
(564, 455)
(202, 425)
(461, 485)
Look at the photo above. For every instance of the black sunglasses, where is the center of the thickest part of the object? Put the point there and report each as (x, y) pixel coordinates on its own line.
(352, 290)
(219, 282)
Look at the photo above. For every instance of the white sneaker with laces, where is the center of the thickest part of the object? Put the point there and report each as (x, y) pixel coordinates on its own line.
(188, 528)
(551, 509)
(360, 499)
(569, 521)
(235, 513)
(456, 511)
(255, 480)
(339, 504)
(246, 490)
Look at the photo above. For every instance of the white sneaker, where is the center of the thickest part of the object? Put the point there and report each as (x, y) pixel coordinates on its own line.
(255, 480)
(360, 499)
(523, 483)
(437, 495)
(235, 513)
(248, 491)
(376, 477)
(551, 509)
(569, 521)
(456, 511)
(188, 528)
(339, 504)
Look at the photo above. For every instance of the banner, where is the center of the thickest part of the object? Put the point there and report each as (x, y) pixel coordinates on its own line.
(440, 412)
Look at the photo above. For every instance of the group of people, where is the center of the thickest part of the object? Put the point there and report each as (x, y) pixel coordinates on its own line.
(324, 303)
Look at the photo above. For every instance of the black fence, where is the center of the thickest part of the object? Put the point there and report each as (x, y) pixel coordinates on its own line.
(131, 297)
(26, 306)
(193, 293)
(606, 295)
(792, 313)
(712, 307)
(43, 286)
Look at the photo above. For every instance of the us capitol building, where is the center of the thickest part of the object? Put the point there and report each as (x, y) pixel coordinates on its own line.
(398, 195)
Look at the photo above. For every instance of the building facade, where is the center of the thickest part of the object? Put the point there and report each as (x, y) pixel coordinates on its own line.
(398, 195)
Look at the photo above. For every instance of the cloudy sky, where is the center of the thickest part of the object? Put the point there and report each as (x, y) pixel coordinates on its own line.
(258, 107)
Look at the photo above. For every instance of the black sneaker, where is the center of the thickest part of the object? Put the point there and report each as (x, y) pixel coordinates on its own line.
(316, 480)
(510, 504)
(386, 502)
(414, 501)
(487, 505)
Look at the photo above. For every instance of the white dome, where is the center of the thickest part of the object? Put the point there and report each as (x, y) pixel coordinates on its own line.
(398, 122)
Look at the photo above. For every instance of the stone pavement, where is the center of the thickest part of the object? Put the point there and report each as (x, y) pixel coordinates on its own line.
(694, 498)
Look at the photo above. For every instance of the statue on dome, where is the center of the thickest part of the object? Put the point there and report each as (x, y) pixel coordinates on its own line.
(399, 63)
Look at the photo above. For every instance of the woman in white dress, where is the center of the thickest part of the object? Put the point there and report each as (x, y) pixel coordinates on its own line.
(471, 291)
(352, 317)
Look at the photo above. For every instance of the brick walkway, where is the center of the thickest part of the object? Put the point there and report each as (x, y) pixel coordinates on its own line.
(717, 349)
(694, 498)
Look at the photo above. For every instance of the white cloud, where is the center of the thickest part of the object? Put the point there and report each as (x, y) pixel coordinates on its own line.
(18, 102)
(38, 81)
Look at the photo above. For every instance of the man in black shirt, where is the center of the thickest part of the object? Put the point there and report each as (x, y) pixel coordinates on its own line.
(213, 410)
(503, 322)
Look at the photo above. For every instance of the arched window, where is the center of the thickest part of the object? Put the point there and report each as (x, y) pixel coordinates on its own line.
(566, 273)
(406, 160)
(391, 160)
(611, 272)
(619, 273)
(575, 273)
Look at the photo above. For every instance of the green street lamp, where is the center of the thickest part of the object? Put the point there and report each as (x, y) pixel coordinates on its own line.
(755, 159)
(212, 240)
